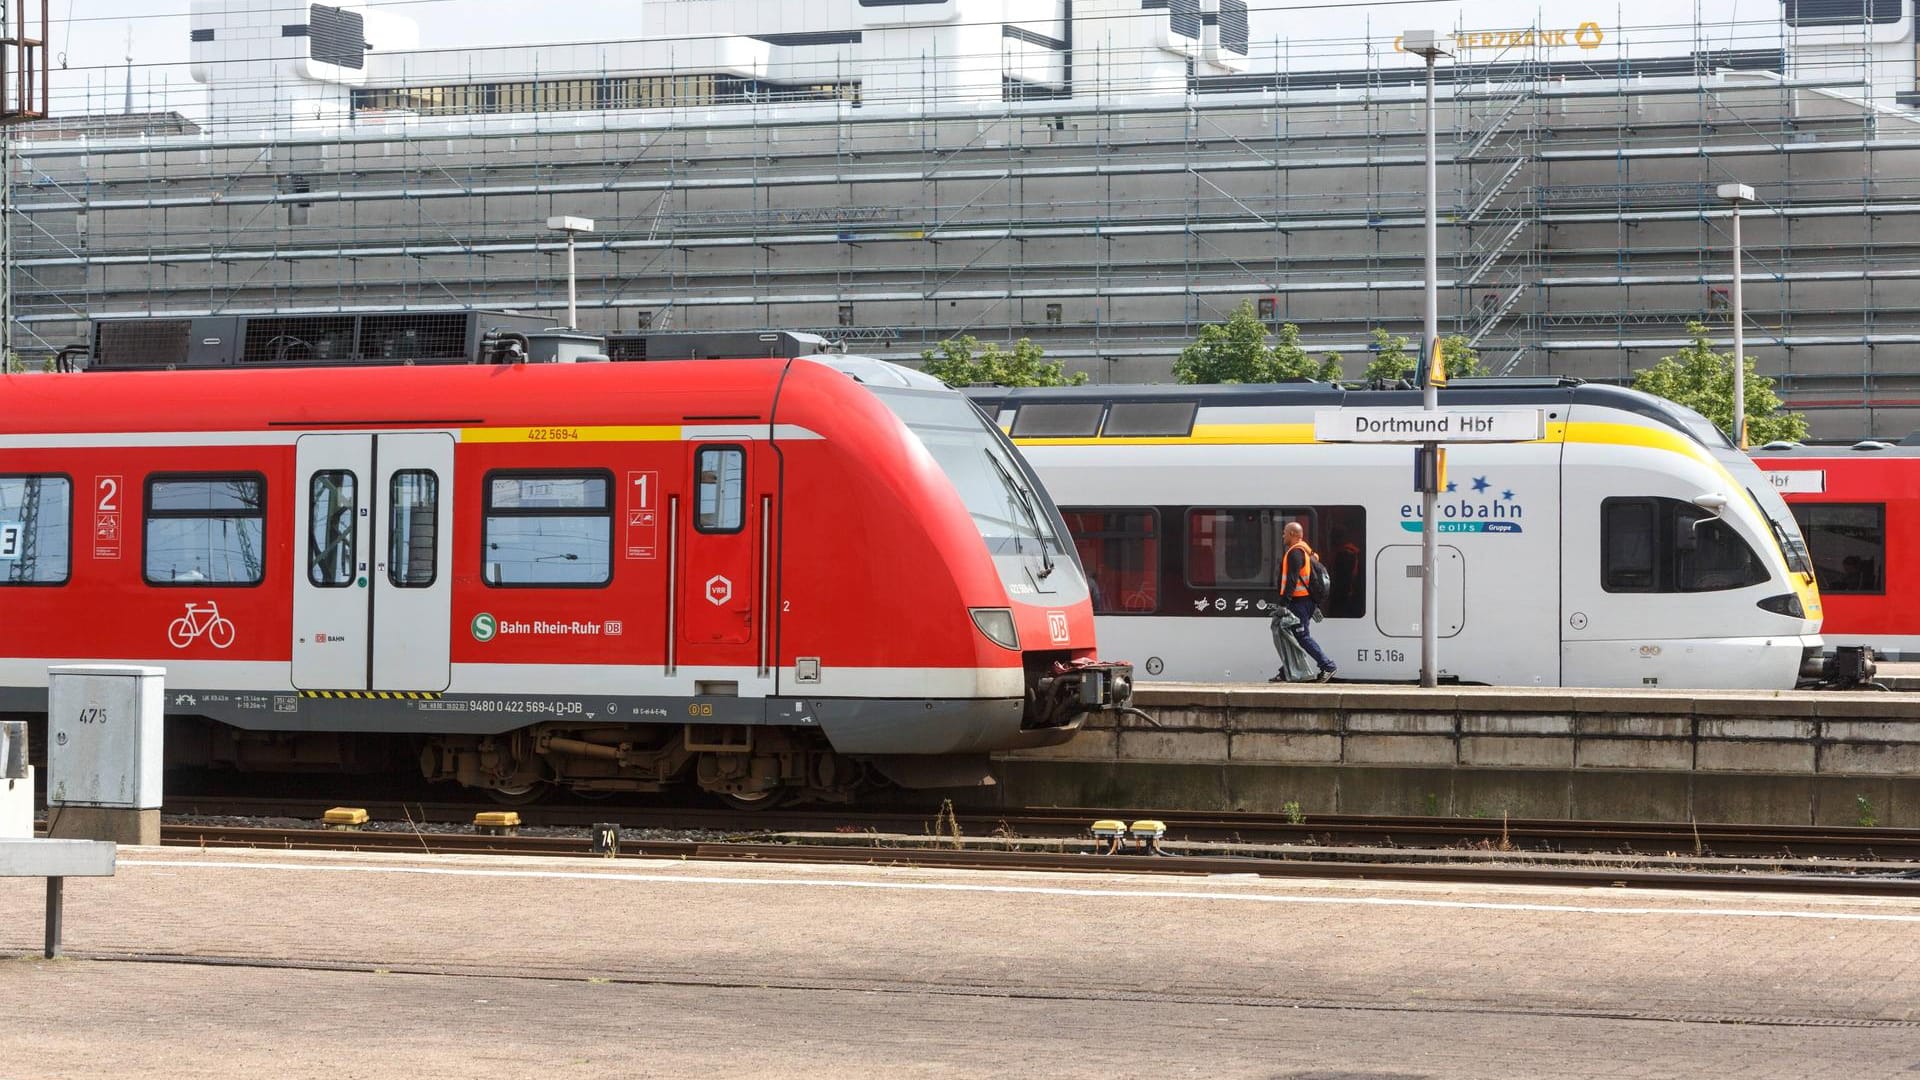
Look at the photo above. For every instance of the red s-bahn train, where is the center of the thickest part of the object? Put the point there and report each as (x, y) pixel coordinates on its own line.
(764, 576)
(1859, 508)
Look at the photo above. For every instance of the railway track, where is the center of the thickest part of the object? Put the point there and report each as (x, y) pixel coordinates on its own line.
(1536, 836)
(922, 855)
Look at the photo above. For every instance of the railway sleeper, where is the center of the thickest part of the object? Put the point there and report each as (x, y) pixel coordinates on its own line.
(744, 766)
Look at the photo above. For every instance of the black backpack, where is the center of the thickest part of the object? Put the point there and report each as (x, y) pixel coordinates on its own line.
(1319, 582)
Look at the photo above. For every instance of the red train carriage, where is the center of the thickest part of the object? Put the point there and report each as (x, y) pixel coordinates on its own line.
(764, 575)
(1859, 508)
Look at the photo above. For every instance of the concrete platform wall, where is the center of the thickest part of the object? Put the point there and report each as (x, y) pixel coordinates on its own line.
(1792, 758)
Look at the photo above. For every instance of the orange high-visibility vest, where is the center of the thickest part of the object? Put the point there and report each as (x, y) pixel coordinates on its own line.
(1300, 588)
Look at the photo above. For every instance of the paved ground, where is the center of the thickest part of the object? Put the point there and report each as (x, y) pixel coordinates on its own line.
(223, 964)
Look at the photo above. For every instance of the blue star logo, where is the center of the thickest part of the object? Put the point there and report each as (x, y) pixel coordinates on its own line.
(1451, 486)
(1480, 484)
(1507, 494)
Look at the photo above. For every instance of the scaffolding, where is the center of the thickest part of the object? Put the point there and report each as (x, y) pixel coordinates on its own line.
(1580, 234)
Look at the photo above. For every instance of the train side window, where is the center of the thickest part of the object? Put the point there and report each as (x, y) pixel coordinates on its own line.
(1148, 419)
(333, 529)
(413, 529)
(722, 497)
(1239, 547)
(1849, 545)
(206, 529)
(1058, 419)
(1665, 545)
(548, 529)
(36, 530)
(1121, 551)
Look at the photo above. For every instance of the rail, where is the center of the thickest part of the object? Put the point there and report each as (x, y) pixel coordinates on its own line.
(929, 856)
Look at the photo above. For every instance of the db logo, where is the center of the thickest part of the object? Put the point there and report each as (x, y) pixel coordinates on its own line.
(483, 627)
(1057, 627)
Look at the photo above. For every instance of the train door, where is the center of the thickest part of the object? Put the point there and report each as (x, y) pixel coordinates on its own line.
(372, 601)
(334, 516)
(722, 548)
(413, 553)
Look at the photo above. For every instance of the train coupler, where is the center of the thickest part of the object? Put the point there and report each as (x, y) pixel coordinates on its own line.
(1851, 667)
(1069, 690)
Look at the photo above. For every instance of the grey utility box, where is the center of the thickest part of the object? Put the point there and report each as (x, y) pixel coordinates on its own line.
(104, 736)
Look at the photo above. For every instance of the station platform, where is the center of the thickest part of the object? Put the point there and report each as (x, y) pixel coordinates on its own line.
(1763, 757)
(224, 964)
(1902, 677)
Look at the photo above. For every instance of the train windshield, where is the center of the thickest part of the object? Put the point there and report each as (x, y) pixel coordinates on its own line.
(1012, 516)
(1786, 530)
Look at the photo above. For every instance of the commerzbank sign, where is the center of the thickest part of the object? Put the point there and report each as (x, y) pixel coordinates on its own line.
(1587, 35)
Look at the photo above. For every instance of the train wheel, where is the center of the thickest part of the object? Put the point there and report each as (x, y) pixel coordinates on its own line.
(753, 800)
(525, 795)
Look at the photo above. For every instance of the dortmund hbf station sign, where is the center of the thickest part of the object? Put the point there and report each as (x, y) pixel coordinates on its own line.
(1416, 425)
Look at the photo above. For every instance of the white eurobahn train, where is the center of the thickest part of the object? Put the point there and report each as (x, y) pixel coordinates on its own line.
(1631, 546)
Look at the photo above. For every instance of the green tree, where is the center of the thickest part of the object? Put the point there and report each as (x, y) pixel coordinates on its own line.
(16, 364)
(1290, 360)
(1236, 351)
(1702, 380)
(1392, 362)
(963, 361)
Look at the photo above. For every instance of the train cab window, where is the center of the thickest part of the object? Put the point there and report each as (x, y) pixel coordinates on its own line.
(413, 529)
(333, 530)
(1058, 419)
(206, 529)
(1849, 545)
(1148, 419)
(1121, 551)
(721, 502)
(1239, 548)
(548, 529)
(1665, 545)
(36, 530)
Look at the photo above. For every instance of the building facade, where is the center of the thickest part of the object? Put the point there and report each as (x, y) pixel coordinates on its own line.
(1103, 176)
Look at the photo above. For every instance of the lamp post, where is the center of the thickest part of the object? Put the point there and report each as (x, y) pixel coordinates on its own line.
(571, 226)
(1426, 43)
(1735, 194)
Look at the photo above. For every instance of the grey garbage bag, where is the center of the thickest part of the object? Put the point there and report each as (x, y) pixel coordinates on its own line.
(1295, 664)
